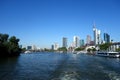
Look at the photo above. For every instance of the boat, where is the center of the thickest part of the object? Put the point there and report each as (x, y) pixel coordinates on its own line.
(108, 54)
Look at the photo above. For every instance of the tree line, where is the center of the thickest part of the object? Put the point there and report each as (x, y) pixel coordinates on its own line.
(9, 46)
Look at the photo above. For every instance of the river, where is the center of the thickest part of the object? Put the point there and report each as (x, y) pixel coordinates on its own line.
(56, 66)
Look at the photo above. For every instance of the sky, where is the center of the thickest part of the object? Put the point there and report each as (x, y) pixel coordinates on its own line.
(44, 22)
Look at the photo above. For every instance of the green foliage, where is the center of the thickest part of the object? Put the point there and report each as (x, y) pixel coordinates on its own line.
(79, 49)
(45, 49)
(23, 49)
(93, 49)
(9, 46)
(64, 49)
(118, 49)
(89, 50)
(104, 46)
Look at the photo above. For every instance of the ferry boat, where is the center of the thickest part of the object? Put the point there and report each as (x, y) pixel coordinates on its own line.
(108, 54)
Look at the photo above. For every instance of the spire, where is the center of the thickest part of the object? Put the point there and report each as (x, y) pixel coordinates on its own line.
(94, 26)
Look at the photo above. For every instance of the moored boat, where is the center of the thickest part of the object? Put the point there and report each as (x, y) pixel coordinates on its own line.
(108, 54)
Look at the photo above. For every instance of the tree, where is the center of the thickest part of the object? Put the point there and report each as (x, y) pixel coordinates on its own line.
(79, 49)
(89, 50)
(64, 49)
(105, 46)
(3, 37)
(118, 49)
(93, 49)
(9, 46)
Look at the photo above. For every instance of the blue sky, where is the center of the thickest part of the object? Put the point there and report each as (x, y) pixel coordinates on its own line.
(43, 22)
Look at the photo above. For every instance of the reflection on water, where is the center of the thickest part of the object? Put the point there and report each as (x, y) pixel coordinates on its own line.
(52, 66)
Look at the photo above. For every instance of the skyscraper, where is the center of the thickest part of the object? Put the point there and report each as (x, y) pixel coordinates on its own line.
(88, 39)
(97, 38)
(56, 46)
(81, 42)
(64, 42)
(76, 40)
(34, 47)
(52, 47)
(106, 38)
(29, 47)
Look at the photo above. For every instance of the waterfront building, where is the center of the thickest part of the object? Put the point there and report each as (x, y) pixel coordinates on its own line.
(29, 47)
(20, 46)
(91, 43)
(88, 39)
(52, 47)
(34, 47)
(106, 38)
(76, 40)
(64, 41)
(97, 38)
(82, 43)
(56, 46)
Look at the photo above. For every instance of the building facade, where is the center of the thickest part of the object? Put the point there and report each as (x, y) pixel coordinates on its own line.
(29, 47)
(106, 38)
(34, 47)
(52, 47)
(82, 43)
(88, 39)
(76, 40)
(97, 38)
(56, 46)
(64, 42)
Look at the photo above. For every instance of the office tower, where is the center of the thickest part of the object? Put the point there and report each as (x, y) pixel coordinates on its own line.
(81, 42)
(34, 47)
(29, 47)
(64, 42)
(97, 38)
(52, 47)
(106, 38)
(56, 46)
(20, 46)
(88, 39)
(76, 40)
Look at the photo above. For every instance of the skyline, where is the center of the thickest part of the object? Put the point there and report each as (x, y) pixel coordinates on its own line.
(44, 22)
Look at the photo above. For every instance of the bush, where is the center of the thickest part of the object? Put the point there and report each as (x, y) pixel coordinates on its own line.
(9, 46)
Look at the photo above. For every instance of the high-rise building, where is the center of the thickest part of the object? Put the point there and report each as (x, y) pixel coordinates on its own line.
(76, 40)
(88, 39)
(64, 42)
(56, 46)
(29, 47)
(97, 38)
(20, 46)
(34, 47)
(106, 38)
(81, 42)
(52, 47)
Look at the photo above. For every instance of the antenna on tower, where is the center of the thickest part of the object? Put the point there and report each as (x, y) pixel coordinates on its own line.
(94, 26)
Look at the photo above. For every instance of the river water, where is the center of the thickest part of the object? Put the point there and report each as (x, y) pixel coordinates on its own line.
(56, 66)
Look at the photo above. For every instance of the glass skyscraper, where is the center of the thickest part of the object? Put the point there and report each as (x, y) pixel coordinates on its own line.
(81, 42)
(106, 38)
(64, 42)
